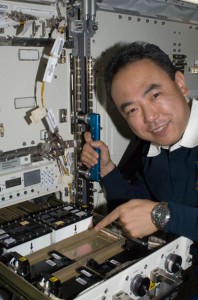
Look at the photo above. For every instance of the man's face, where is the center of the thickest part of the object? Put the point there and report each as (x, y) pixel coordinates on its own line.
(153, 105)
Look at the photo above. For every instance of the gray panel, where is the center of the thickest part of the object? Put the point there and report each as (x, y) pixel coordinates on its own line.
(167, 9)
(173, 37)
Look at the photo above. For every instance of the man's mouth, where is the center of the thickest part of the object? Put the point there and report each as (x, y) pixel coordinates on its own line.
(160, 129)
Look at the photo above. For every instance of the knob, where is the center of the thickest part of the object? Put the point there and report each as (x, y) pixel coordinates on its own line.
(45, 148)
(173, 263)
(140, 285)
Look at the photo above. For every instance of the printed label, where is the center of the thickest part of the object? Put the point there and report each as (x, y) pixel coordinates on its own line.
(50, 262)
(81, 281)
(114, 262)
(56, 256)
(4, 6)
(86, 273)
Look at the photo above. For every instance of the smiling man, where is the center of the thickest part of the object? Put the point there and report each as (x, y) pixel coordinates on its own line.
(155, 108)
(152, 96)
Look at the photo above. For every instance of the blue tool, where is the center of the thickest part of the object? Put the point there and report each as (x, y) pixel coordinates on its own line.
(93, 120)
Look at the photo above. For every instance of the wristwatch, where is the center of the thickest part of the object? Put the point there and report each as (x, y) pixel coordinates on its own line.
(160, 215)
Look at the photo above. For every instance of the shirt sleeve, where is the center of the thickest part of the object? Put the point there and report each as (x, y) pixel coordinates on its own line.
(118, 188)
(183, 220)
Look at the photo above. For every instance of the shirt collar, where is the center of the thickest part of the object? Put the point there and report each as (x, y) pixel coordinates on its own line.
(190, 136)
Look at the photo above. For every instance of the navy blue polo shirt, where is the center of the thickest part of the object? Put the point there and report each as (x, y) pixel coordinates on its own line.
(170, 176)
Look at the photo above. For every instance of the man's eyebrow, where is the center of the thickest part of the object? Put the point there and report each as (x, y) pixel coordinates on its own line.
(150, 88)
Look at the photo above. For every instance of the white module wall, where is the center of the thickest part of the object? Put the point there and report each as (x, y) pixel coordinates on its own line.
(20, 87)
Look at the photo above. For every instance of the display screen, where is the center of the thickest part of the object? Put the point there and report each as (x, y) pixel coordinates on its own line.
(32, 177)
(12, 182)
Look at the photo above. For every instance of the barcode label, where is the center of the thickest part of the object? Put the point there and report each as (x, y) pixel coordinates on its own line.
(50, 262)
(81, 281)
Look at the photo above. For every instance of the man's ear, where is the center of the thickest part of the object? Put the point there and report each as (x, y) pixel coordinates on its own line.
(181, 83)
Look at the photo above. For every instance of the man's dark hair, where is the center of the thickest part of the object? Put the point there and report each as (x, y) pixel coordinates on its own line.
(134, 52)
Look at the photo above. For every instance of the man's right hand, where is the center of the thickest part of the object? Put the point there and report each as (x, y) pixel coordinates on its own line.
(89, 156)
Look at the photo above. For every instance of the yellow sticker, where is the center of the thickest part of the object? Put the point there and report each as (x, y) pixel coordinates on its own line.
(53, 279)
(152, 285)
(22, 258)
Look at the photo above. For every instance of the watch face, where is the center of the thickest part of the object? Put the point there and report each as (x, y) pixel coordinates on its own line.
(160, 214)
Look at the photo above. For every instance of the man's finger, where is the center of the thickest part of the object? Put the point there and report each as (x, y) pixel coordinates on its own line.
(114, 215)
(87, 136)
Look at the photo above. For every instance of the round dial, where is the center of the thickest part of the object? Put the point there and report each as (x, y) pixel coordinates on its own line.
(160, 215)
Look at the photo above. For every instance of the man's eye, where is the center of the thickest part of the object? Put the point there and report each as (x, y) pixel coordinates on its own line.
(131, 111)
(156, 95)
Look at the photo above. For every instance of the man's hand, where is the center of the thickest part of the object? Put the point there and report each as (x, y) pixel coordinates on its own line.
(135, 217)
(89, 156)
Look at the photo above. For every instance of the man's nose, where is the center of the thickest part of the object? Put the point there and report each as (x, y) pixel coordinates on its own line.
(150, 114)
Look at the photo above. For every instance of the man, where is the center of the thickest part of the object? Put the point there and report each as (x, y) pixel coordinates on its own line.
(152, 96)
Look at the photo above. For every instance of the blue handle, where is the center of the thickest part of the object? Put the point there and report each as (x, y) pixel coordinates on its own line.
(94, 124)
